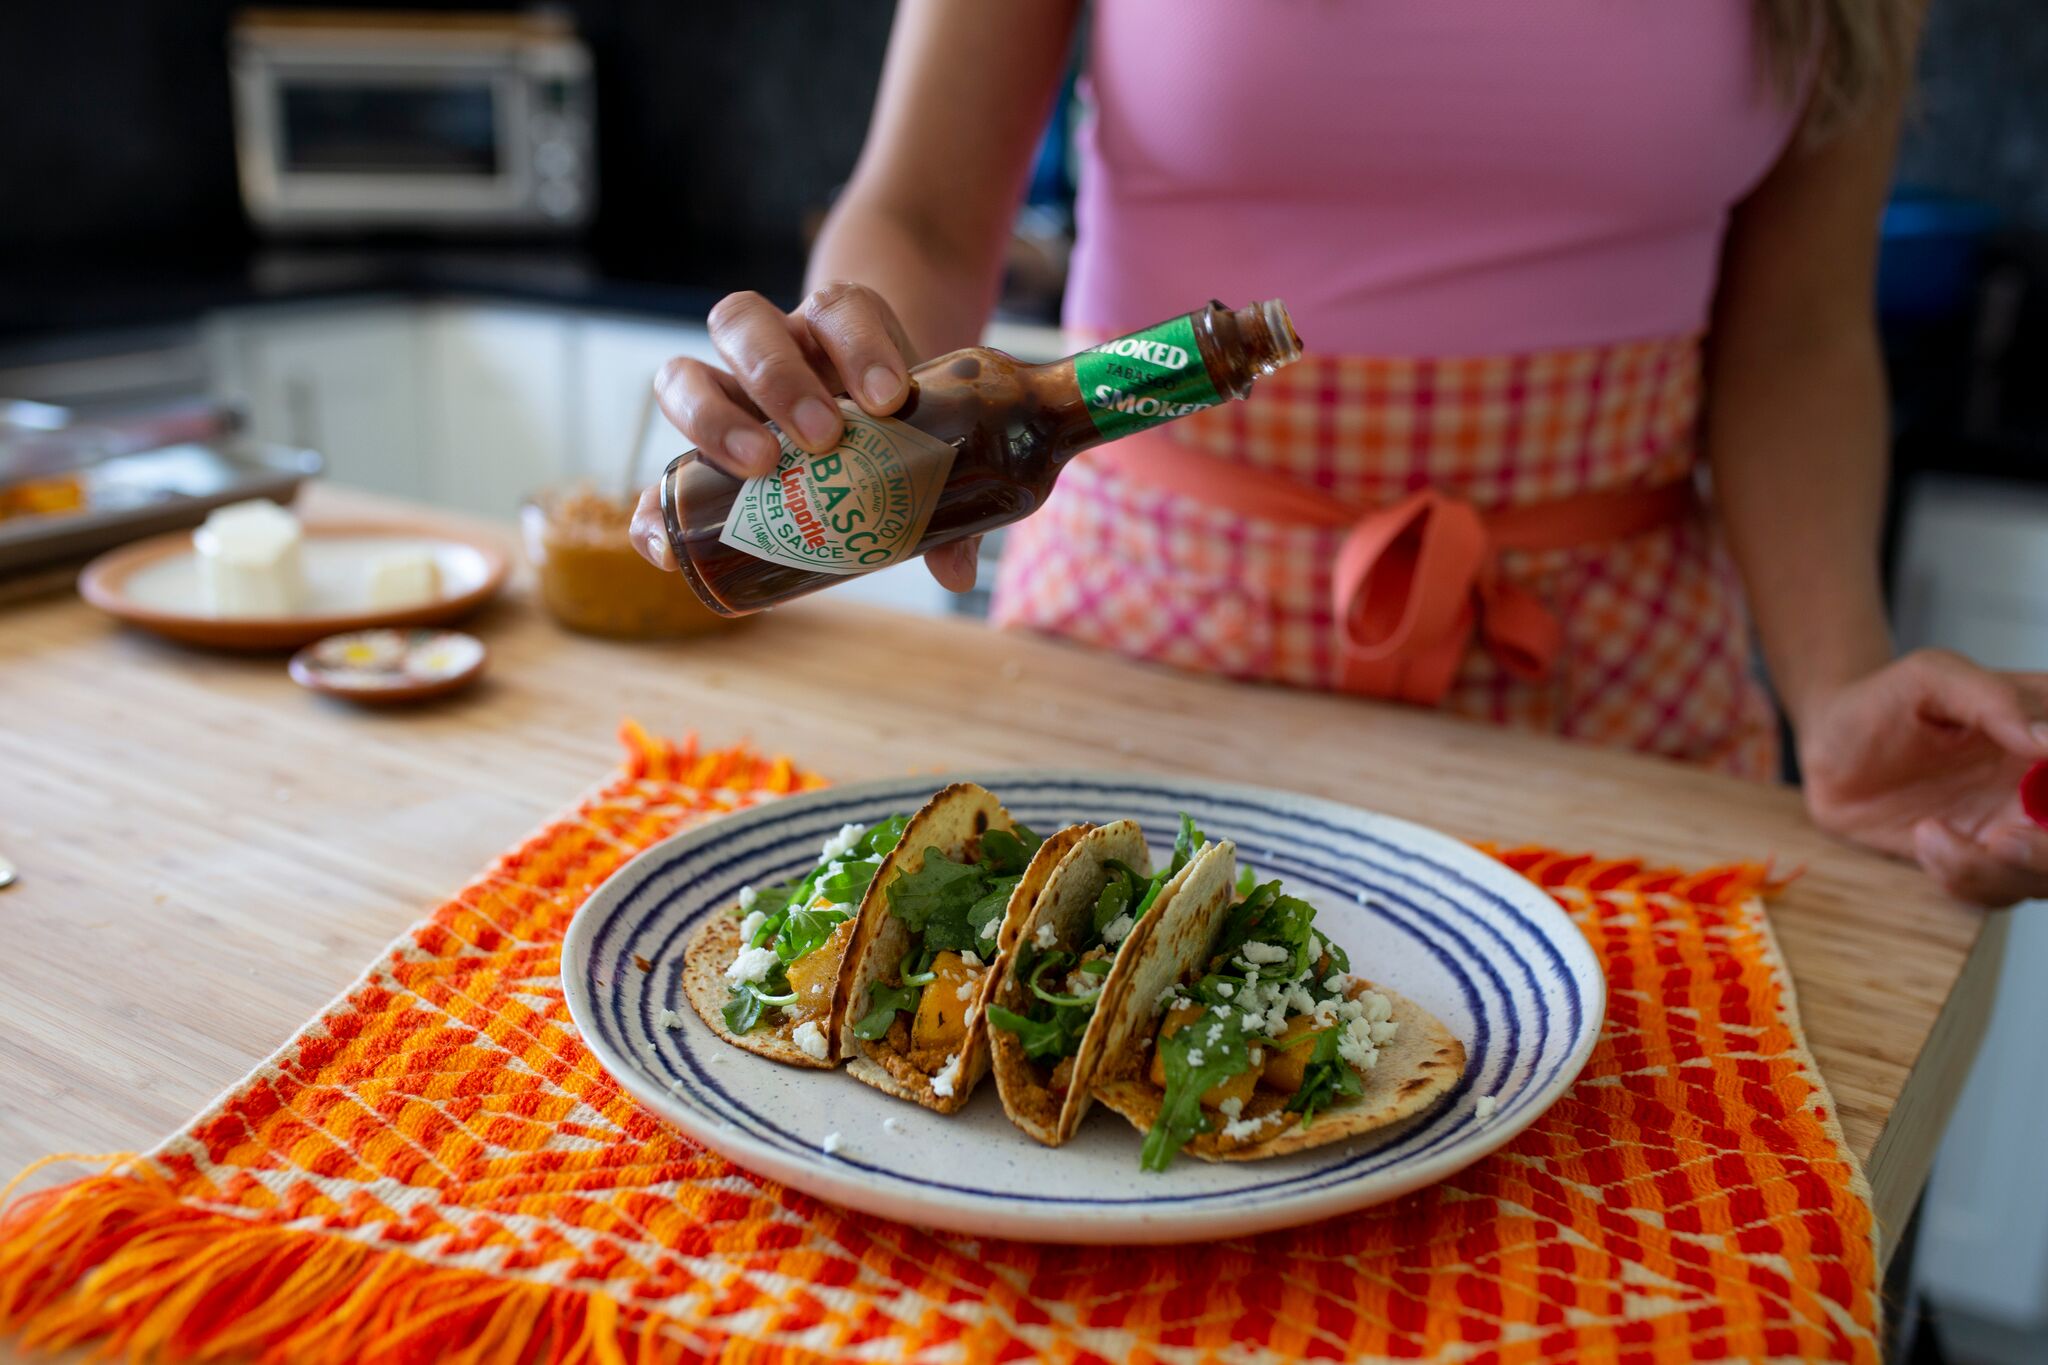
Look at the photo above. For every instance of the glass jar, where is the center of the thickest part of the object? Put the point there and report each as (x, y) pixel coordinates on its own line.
(592, 579)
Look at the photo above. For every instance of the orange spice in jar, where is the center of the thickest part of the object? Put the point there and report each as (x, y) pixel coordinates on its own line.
(593, 580)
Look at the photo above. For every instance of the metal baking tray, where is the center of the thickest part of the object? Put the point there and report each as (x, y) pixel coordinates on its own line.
(139, 493)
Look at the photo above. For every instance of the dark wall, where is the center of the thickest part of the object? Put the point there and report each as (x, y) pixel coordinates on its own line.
(1979, 122)
(720, 124)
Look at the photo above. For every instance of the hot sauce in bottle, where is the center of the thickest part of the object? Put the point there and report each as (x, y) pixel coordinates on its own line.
(977, 444)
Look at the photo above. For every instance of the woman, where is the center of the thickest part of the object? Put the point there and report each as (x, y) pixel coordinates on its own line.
(1517, 238)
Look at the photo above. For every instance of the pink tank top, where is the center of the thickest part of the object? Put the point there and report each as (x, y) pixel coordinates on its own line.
(1419, 177)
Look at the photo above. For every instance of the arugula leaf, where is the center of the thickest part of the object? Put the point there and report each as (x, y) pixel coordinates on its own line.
(743, 1010)
(939, 887)
(1115, 898)
(1187, 843)
(1268, 916)
(847, 885)
(1327, 1078)
(806, 930)
(1005, 851)
(1180, 1114)
(953, 905)
(882, 838)
(1246, 880)
(1096, 966)
(1043, 1039)
(884, 1002)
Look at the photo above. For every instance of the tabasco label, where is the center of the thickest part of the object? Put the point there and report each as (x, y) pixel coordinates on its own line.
(1145, 378)
(862, 507)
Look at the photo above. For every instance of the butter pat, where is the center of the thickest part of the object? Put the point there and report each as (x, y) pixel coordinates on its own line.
(403, 578)
(249, 561)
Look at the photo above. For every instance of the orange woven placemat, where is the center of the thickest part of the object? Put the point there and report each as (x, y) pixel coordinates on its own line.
(435, 1169)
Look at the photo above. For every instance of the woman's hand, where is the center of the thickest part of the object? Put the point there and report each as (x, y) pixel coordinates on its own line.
(786, 368)
(1922, 759)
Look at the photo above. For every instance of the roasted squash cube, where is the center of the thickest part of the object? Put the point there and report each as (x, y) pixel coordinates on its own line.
(1238, 1087)
(942, 1010)
(815, 976)
(1287, 1066)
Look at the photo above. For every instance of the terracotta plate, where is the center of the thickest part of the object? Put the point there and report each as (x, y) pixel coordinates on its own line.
(154, 584)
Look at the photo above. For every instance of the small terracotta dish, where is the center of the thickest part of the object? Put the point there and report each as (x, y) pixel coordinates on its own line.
(385, 667)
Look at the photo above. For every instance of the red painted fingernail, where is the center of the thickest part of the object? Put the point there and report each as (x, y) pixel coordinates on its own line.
(2034, 793)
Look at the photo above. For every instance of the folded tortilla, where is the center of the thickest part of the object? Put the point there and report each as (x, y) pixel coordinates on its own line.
(1415, 1068)
(1029, 1097)
(712, 949)
(953, 822)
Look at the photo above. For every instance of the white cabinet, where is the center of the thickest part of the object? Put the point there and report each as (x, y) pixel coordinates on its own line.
(498, 412)
(1973, 577)
(616, 364)
(341, 379)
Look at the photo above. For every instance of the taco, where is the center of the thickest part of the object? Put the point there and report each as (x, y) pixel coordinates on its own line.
(766, 975)
(1058, 999)
(938, 915)
(1254, 1039)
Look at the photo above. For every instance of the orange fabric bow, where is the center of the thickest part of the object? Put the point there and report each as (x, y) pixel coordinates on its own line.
(1413, 582)
(1416, 580)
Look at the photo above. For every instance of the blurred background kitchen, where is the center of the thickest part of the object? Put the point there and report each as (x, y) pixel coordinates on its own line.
(447, 251)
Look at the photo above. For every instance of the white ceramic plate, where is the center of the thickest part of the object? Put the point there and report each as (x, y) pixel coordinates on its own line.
(1462, 935)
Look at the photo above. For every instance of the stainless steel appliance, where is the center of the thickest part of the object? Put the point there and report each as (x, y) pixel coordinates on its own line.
(397, 120)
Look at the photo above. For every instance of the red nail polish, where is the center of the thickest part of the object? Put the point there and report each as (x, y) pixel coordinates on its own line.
(2034, 793)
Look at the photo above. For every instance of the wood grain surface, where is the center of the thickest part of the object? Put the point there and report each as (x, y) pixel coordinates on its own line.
(209, 853)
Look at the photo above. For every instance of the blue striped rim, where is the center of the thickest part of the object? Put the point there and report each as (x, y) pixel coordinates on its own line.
(1050, 802)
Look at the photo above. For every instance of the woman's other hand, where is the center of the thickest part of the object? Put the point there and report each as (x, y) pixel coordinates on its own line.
(1922, 759)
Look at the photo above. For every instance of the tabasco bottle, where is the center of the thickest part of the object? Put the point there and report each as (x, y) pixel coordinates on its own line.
(977, 444)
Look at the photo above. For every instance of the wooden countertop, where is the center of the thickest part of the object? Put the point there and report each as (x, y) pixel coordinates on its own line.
(208, 853)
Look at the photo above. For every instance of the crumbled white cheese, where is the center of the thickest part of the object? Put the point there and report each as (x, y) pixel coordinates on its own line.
(970, 959)
(811, 1039)
(1483, 1107)
(942, 1084)
(965, 990)
(1238, 1129)
(748, 895)
(669, 1019)
(831, 1143)
(1377, 1006)
(1216, 1032)
(838, 844)
(1195, 1056)
(1118, 929)
(751, 925)
(1253, 1019)
(892, 1124)
(1383, 1031)
(1046, 935)
(1167, 996)
(1258, 1055)
(1231, 1107)
(1226, 989)
(1338, 982)
(833, 870)
(1356, 1047)
(1265, 954)
(752, 964)
(717, 1056)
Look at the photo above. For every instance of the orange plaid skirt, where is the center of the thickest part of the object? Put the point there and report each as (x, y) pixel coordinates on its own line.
(1655, 652)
